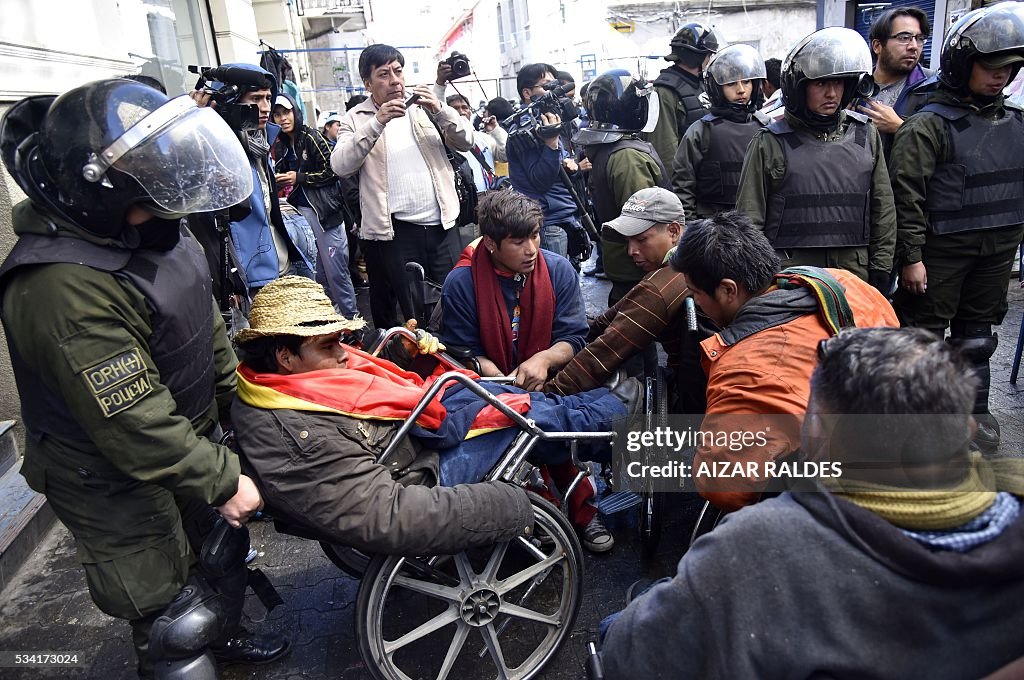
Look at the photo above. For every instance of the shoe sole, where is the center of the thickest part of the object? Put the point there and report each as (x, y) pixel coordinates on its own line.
(599, 548)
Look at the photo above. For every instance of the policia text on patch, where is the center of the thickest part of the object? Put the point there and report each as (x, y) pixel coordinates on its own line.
(118, 382)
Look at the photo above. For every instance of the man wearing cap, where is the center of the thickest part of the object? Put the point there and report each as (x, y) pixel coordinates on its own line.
(679, 87)
(651, 222)
(330, 410)
(956, 171)
(302, 167)
(329, 129)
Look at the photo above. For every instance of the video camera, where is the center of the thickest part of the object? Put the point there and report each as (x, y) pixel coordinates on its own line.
(232, 82)
(554, 100)
(460, 65)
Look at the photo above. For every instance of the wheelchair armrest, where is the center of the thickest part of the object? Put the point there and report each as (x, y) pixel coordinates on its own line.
(464, 356)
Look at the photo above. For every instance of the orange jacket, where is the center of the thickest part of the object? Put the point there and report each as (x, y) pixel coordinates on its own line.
(768, 374)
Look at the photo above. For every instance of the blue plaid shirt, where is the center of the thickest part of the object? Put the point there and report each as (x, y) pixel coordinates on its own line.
(980, 530)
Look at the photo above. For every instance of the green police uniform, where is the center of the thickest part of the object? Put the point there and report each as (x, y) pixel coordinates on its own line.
(125, 471)
(968, 270)
(764, 170)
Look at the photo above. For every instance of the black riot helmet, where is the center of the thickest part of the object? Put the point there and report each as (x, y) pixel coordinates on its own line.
(831, 53)
(732, 64)
(94, 151)
(692, 39)
(994, 34)
(618, 105)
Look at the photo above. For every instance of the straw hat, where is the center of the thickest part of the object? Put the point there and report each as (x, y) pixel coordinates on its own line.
(294, 305)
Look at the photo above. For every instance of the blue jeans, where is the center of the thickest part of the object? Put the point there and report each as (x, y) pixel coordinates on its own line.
(332, 264)
(554, 238)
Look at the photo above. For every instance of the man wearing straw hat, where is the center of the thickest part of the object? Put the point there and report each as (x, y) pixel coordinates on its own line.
(313, 415)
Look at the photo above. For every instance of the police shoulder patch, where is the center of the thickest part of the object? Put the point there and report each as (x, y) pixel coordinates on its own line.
(118, 382)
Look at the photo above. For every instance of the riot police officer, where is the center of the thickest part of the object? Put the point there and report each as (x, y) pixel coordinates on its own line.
(816, 180)
(706, 167)
(679, 87)
(957, 169)
(122, 362)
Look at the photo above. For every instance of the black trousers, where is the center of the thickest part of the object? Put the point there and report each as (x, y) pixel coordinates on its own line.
(436, 249)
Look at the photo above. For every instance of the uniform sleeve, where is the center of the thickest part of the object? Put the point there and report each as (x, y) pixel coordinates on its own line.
(762, 165)
(688, 158)
(629, 171)
(85, 336)
(460, 326)
(917, 149)
(665, 137)
(883, 212)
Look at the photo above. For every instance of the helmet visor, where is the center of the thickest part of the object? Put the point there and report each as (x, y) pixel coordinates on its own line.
(831, 53)
(735, 63)
(194, 163)
(993, 29)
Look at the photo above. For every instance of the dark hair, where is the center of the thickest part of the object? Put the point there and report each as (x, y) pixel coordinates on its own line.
(450, 101)
(529, 75)
(260, 354)
(726, 246)
(901, 395)
(773, 69)
(881, 28)
(354, 101)
(500, 108)
(508, 214)
(377, 55)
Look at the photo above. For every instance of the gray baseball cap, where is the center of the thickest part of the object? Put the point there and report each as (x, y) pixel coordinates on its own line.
(646, 208)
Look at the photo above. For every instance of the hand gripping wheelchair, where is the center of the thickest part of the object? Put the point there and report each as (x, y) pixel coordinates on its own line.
(502, 611)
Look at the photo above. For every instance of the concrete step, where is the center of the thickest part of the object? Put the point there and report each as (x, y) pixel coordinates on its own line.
(25, 518)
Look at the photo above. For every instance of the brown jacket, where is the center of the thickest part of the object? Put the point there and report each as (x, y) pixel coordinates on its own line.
(320, 470)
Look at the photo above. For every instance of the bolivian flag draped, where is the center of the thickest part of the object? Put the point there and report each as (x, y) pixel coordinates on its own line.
(377, 389)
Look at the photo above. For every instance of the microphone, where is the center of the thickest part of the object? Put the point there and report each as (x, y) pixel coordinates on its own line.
(242, 77)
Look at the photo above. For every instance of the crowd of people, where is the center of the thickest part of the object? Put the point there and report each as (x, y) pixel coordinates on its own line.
(826, 218)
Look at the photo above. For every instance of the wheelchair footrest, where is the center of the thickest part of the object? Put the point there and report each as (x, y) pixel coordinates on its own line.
(618, 501)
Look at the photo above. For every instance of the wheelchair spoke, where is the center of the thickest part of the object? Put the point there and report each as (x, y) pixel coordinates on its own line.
(528, 614)
(494, 647)
(466, 574)
(491, 570)
(525, 575)
(424, 629)
(426, 588)
(453, 650)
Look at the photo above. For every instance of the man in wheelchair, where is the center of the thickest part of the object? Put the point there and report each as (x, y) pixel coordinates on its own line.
(894, 569)
(313, 415)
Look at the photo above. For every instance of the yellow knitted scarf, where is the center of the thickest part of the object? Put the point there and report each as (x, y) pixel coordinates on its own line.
(937, 509)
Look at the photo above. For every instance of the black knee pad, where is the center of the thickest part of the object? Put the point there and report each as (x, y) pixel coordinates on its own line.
(182, 632)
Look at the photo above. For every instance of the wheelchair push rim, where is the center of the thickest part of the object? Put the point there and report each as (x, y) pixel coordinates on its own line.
(501, 611)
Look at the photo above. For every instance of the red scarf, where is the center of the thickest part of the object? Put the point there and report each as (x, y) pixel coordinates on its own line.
(536, 310)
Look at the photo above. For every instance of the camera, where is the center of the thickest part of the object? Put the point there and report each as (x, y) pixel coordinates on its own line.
(460, 65)
(230, 84)
(554, 100)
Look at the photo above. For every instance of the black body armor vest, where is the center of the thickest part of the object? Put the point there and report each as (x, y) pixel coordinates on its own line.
(689, 95)
(982, 185)
(601, 192)
(825, 197)
(718, 178)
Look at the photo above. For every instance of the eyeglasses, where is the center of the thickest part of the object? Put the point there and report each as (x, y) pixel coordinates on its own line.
(905, 38)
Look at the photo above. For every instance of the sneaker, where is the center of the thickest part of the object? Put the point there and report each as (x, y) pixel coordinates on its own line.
(251, 555)
(596, 537)
(252, 649)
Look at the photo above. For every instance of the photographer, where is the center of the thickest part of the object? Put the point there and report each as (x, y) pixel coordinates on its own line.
(406, 184)
(262, 246)
(535, 159)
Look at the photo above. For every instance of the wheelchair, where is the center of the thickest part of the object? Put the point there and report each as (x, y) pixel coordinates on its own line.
(504, 610)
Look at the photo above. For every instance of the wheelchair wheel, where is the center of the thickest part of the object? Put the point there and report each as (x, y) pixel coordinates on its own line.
(351, 561)
(501, 611)
(709, 518)
(652, 502)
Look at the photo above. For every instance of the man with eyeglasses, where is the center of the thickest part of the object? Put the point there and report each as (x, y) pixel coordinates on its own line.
(898, 39)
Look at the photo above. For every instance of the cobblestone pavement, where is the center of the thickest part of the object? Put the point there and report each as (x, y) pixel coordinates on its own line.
(47, 606)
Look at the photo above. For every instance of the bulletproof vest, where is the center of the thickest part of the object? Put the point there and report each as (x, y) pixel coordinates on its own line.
(825, 197)
(178, 291)
(689, 96)
(981, 186)
(718, 178)
(605, 207)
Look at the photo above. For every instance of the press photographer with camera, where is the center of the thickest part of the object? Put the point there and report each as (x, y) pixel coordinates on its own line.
(260, 243)
(407, 194)
(536, 157)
